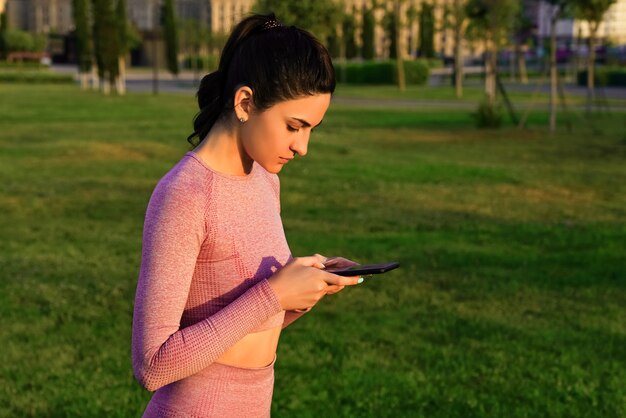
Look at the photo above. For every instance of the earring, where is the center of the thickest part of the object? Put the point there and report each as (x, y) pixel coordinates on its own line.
(241, 119)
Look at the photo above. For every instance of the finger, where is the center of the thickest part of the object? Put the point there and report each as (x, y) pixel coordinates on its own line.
(340, 262)
(310, 261)
(334, 289)
(340, 280)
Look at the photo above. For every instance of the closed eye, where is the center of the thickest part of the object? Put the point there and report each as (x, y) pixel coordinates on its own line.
(292, 129)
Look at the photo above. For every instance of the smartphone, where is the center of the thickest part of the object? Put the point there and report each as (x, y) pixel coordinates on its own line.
(365, 269)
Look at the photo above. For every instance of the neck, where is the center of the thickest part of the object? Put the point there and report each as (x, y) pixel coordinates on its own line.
(221, 150)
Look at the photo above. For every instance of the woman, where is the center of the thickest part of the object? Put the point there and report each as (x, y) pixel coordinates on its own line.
(217, 282)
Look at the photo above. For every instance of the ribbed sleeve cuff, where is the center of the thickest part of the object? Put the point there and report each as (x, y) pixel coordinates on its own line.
(244, 314)
(273, 304)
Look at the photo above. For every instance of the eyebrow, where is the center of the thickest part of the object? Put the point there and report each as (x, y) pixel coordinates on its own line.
(305, 123)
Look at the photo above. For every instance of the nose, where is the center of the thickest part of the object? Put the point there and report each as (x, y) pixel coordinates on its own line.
(300, 145)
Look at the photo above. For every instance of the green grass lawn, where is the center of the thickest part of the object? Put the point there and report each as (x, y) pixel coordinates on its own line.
(472, 93)
(510, 301)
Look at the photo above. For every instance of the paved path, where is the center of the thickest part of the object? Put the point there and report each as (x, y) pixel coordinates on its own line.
(187, 83)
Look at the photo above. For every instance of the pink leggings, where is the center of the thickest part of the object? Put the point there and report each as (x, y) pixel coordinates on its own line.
(217, 391)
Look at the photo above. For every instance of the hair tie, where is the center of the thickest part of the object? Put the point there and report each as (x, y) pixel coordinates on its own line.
(270, 24)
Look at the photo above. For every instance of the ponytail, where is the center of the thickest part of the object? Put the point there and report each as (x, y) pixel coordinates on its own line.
(211, 102)
(278, 63)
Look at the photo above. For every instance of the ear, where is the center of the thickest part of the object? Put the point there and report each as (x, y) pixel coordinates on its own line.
(243, 102)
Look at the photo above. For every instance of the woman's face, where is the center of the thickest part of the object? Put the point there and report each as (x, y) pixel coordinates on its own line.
(274, 136)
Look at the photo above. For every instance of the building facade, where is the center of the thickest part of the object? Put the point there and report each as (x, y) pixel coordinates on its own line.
(40, 16)
(612, 29)
(219, 16)
(224, 14)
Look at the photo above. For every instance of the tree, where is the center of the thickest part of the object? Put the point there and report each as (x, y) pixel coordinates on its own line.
(389, 24)
(106, 42)
(492, 19)
(317, 16)
(367, 32)
(349, 26)
(393, 24)
(16, 40)
(591, 11)
(4, 26)
(84, 45)
(333, 43)
(427, 30)
(194, 35)
(170, 32)
(456, 20)
(216, 42)
(411, 17)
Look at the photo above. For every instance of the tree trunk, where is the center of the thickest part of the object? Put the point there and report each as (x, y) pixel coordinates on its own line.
(593, 27)
(106, 87)
(413, 43)
(84, 80)
(490, 71)
(95, 79)
(494, 72)
(553, 73)
(512, 66)
(194, 62)
(458, 61)
(121, 78)
(458, 49)
(342, 53)
(577, 60)
(521, 64)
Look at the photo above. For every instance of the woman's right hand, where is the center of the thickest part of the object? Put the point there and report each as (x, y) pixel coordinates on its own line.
(302, 282)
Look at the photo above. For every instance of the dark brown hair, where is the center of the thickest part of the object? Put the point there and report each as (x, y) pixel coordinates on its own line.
(277, 62)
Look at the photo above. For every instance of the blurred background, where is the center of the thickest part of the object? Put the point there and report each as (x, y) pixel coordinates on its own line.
(480, 143)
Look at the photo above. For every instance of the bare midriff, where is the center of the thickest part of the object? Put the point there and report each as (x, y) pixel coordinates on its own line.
(256, 349)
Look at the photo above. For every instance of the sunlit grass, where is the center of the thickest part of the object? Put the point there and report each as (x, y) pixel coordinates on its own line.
(473, 92)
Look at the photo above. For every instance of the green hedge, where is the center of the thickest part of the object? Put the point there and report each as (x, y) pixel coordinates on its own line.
(381, 72)
(34, 77)
(19, 65)
(608, 76)
(432, 62)
(206, 63)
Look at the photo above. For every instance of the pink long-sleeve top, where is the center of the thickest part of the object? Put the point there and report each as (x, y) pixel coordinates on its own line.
(210, 242)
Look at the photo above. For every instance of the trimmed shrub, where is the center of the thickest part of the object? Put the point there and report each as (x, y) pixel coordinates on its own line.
(607, 76)
(381, 72)
(487, 116)
(416, 72)
(368, 73)
(18, 65)
(35, 77)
